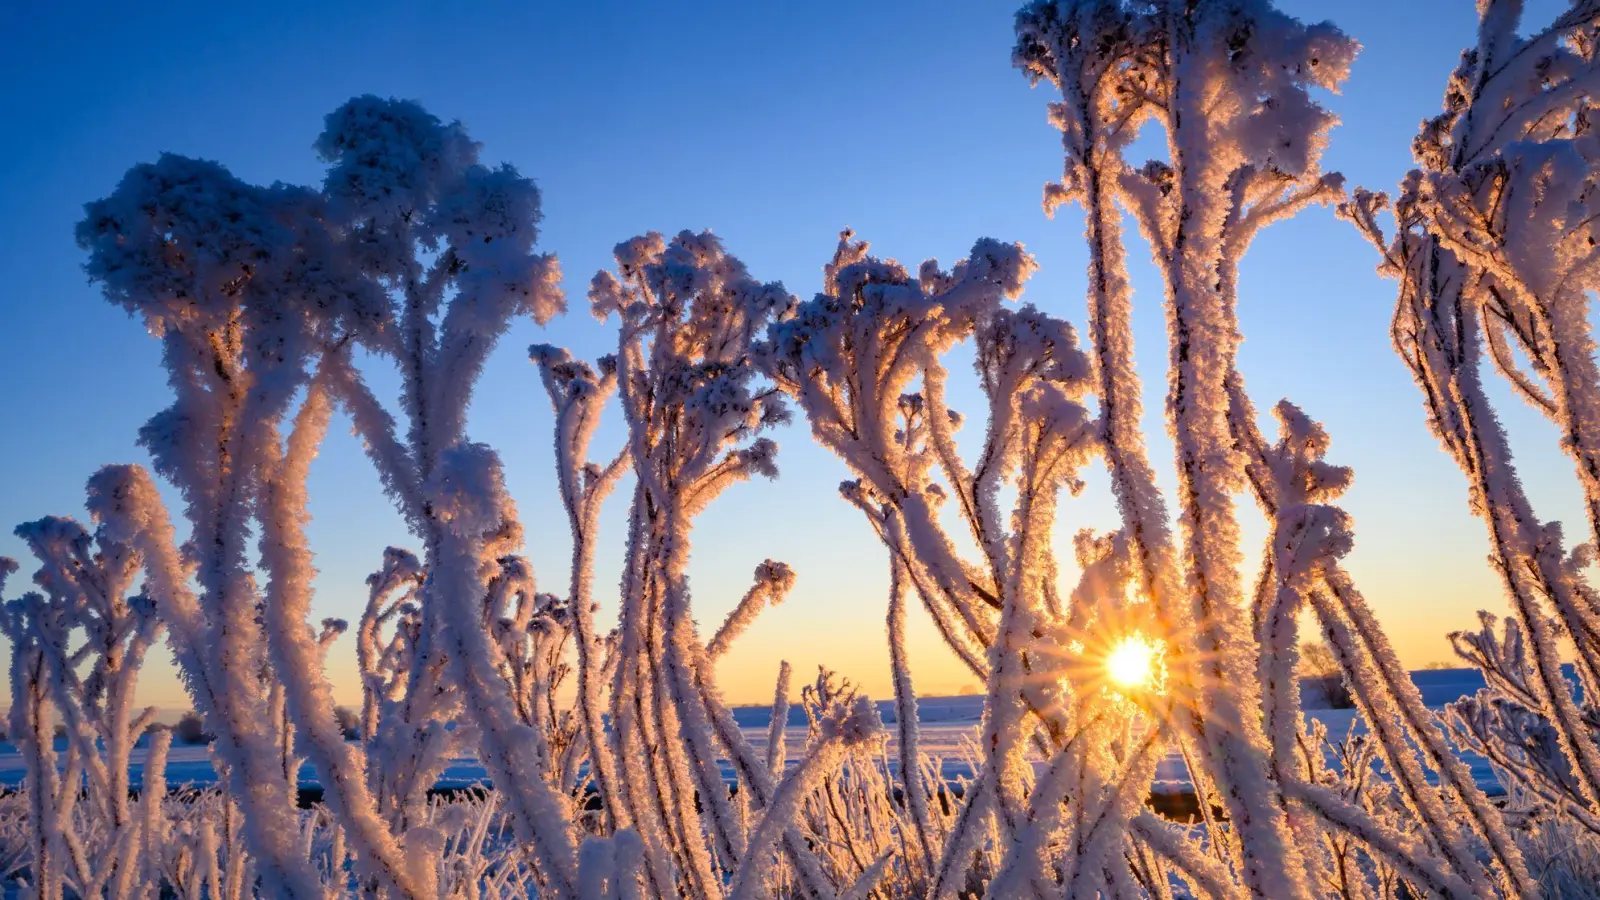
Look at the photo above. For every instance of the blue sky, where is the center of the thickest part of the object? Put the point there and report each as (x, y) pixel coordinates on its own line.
(774, 124)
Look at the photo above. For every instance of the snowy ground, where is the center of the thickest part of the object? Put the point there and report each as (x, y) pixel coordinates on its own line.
(947, 722)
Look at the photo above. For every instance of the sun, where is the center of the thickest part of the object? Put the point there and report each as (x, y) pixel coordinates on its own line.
(1132, 662)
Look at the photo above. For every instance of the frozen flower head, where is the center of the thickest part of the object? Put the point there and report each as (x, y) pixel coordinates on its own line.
(1301, 447)
(1027, 344)
(1253, 67)
(180, 239)
(1005, 265)
(399, 568)
(871, 284)
(468, 490)
(55, 536)
(1272, 62)
(572, 377)
(700, 298)
(1302, 483)
(760, 458)
(693, 264)
(390, 158)
(489, 214)
(634, 253)
(1057, 37)
(123, 501)
(607, 296)
(1092, 53)
(187, 246)
(402, 183)
(451, 818)
(691, 316)
(855, 724)
(874, 306)
(777, 575)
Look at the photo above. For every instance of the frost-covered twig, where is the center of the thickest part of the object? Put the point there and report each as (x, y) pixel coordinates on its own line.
(1493, 251)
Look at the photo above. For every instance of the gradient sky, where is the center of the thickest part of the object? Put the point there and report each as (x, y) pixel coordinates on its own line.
(774, 124)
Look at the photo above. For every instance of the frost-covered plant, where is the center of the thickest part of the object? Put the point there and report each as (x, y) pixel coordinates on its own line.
(1229, 84)
(695, 411)
(606, 750)
(386, 641)
(857, 811)
(446, 245)
(1495, 255)
(844, 730)
(849, 358)
(193, 848)
(1501, 723)
(16, 825)
(245, 286)
(578, 396)
(78, 645)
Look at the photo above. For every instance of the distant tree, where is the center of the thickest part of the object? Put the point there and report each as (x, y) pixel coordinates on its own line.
(191, 729)
(1438, 665)
(1321, 668)
(349, 722)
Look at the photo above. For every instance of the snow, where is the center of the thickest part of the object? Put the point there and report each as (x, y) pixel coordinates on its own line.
(947, 726)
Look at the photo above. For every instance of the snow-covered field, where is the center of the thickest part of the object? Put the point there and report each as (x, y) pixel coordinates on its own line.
(947, 725)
